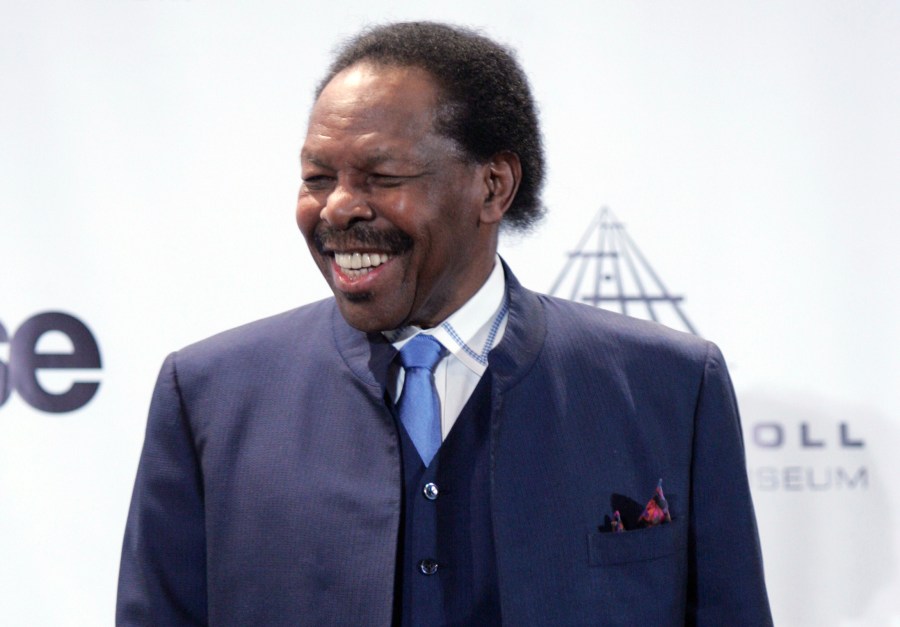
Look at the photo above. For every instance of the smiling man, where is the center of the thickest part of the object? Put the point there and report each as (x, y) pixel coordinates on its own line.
(436, 444)
(400, 219)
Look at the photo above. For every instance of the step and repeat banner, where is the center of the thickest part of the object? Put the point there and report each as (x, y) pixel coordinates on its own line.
(729, 169)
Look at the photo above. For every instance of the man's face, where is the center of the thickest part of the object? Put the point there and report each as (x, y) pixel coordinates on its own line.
(391, 210)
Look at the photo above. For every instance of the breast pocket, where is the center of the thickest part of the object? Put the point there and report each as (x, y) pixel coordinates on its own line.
(639, 545)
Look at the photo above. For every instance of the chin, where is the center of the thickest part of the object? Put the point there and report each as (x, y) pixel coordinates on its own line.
(359, 313)
(367, 324)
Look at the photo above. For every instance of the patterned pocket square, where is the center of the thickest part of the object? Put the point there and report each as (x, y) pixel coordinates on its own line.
(655, 512)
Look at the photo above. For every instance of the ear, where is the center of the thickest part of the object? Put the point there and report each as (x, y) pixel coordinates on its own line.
(502, 174)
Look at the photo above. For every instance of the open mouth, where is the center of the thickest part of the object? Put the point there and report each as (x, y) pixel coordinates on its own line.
(355, 264)
(360, 253)
(360, 261)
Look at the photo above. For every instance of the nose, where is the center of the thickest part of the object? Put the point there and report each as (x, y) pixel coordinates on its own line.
(345, 205)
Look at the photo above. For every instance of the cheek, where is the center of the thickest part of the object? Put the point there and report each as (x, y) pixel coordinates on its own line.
(308, 210)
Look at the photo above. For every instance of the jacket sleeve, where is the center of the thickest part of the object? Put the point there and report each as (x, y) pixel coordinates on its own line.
(162, 577)
(726, 582)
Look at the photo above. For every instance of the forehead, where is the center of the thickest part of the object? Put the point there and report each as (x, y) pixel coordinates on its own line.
(373, 106)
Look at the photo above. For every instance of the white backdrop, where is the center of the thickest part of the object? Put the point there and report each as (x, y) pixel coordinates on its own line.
(148, 169)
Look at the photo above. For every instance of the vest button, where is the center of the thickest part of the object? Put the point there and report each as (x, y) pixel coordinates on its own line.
(430, 491)
(428, 567)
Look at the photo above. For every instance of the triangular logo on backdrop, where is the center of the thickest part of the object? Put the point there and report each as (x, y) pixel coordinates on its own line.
(608, 270)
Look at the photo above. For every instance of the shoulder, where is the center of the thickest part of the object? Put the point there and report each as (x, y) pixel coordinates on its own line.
(579, 333)
(558, 335)
(280, 338)
(568, 320)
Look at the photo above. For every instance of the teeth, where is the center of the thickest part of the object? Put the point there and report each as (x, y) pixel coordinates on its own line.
(360, 261)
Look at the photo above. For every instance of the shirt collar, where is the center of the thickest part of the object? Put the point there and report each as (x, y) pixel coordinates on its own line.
(474, 329)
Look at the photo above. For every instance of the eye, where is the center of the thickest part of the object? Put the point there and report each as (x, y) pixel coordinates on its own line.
(381, 179)
(317, 182)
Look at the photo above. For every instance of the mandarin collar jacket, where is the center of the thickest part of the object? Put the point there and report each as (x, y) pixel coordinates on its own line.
(269, 487)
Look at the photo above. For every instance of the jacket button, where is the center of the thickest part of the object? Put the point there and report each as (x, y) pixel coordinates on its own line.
(428, 567)
(430, 491)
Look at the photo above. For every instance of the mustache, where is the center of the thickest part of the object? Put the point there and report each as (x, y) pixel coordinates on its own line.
(360, 235)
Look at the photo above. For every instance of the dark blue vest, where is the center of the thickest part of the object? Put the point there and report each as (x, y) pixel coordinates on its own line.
(447, 571)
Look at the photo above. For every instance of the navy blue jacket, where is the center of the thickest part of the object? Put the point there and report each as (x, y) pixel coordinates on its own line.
(269, 487)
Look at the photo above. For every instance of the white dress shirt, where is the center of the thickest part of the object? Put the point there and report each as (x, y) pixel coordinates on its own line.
(467, 336)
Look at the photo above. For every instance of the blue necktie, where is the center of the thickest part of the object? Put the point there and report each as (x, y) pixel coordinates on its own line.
(420, 409)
